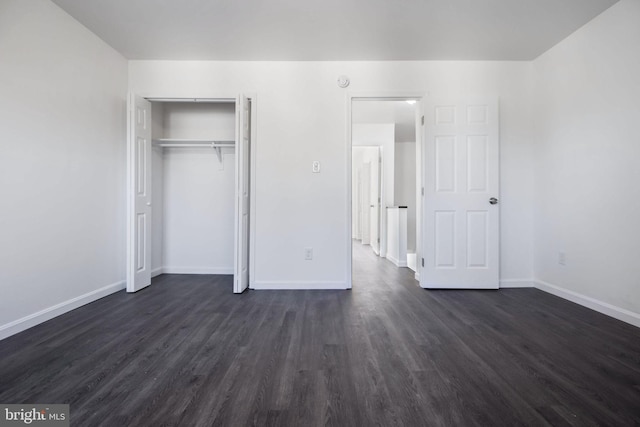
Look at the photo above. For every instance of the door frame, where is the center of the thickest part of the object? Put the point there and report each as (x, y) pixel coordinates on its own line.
(130, 169)
(419, 96)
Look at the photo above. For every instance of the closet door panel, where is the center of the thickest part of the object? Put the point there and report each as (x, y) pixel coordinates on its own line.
(243, 144)
(139, 205)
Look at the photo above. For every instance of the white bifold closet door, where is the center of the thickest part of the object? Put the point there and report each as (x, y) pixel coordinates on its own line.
(461, 215)
(139, 197)
(243, 135)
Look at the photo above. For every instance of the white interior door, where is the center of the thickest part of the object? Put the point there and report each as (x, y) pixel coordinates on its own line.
(365, 208)
(374, 200)
(139, 200)
(243, 144)
(461, 215)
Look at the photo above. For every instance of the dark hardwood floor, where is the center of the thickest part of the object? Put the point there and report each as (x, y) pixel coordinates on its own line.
(188, 352)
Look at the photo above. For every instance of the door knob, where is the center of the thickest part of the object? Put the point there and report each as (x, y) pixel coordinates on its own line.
(493, 201)
(148, 203)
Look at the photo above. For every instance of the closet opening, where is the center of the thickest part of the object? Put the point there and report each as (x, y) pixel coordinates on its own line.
(189, 174)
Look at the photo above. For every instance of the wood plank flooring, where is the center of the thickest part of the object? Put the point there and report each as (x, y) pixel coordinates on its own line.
(188, 352)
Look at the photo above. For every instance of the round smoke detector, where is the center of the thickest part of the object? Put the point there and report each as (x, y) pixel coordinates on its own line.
(343, 81)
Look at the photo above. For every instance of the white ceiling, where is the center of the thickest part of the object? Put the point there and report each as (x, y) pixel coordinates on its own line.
(333, 29)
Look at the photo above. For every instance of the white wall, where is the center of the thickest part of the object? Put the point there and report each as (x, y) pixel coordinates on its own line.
(357, 158)
(381, 135)
(405, 187)
(362, 155)
(62, 164)
(587, 179)
(195, 200)
(198, 212)
(301, 117)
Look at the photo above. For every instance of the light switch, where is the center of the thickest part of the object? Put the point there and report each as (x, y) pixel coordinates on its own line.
(315, 166)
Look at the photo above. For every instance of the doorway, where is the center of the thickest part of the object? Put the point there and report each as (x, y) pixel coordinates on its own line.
(189, 188)
(457, 226)
(385, 165)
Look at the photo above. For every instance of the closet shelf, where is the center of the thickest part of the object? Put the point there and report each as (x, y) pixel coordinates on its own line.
(215, 144)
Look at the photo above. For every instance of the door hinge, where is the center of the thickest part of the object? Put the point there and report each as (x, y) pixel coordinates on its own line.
(423, 262)
(378, 240)
(423, 191)
(422, 120)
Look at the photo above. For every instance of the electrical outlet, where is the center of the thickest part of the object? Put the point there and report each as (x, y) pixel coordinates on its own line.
(308, 254)
(315, 166)
(562, 258)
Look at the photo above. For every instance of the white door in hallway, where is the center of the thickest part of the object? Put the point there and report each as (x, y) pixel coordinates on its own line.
(374, 200)
(139, 197)
(365, 207)
(461, 214)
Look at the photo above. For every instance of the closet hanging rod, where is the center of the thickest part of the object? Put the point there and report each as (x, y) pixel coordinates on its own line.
(180, 143)
(193, 141)
(210, 145)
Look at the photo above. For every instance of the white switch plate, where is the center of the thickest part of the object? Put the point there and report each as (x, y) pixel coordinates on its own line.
(315, 166)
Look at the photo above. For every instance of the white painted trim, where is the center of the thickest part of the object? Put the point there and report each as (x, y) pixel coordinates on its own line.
(197, 270)
(388, 96)
(49, 313)
(253, 151)
(130, 212)
(592, 303)
(216, 100)
(130, 216)
(417, 276)
(349, 179)
(349, 97)
(396, 262)
(516, 283)
(301, 285)
(227, 98)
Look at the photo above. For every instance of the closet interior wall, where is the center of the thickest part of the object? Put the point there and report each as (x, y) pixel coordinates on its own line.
(193, 190)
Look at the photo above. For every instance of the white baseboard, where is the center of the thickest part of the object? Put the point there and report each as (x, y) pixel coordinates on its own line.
(417, 276)
(291, 285)
(157, 271)
(41, 316)
(197, 270)
(396, 262)
(516, 283)
(592, 303)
